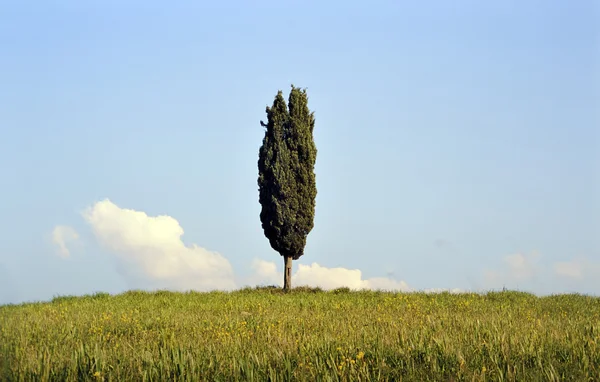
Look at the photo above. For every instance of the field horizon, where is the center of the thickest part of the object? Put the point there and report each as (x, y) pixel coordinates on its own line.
(277, 289)
(307, 334)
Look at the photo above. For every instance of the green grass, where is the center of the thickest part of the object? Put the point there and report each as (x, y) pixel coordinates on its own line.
(306, 335)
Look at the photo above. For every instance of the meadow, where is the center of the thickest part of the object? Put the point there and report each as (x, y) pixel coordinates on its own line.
(263, 334)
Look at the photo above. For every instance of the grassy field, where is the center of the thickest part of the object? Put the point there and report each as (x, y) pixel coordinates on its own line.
(306, 335)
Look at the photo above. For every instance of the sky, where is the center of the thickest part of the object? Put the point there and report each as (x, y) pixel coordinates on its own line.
(458, 144)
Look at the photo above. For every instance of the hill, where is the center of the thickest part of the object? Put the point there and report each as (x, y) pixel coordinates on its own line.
(307, 335)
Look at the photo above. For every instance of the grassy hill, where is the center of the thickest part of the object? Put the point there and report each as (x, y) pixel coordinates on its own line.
(307, 335)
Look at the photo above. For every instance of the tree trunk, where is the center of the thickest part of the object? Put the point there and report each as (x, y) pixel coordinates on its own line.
(287, 273)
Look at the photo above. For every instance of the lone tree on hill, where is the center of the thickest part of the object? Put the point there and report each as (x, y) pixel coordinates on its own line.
(286, 179)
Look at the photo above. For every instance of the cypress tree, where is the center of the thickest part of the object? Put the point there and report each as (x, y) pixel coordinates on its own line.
(286, 178)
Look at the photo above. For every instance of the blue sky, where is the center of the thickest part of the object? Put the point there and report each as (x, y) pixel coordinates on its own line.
(458, 143)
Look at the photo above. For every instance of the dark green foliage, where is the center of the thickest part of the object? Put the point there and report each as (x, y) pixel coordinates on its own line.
(287, 184)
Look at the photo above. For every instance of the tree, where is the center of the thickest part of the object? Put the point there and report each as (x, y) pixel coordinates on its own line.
(286, 178)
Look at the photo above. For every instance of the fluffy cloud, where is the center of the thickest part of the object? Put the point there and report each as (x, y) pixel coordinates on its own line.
(150, 251)
(571, 269)
(580, 269)
(530, 272)
(522, 267)
(315, 275)
(150, 254)
(265, 273)
(62, 237)
(331, 278)
(517, 268)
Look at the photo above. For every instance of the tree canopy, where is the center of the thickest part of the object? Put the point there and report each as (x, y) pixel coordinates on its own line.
(286, 180)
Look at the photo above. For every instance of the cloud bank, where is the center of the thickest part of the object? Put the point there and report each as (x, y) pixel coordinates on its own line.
(517, 267)
(519, 270)
(580, 269)
(521, 266)
(150, 251)
(62, 237)
(149, 254)
(570, 269)
(315, 275)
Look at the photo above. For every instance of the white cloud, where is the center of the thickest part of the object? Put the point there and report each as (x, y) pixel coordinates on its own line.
(580, 269)
(315, 275)
(62, 237)
(265, 273)
(442, 290)
(386, 283)
(150, 254)
(571, 269)
(518, 269)
(530, 272)
(149, 250)
(522, 267)
(328, 278)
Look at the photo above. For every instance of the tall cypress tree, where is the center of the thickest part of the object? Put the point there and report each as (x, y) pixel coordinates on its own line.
(286, 178)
